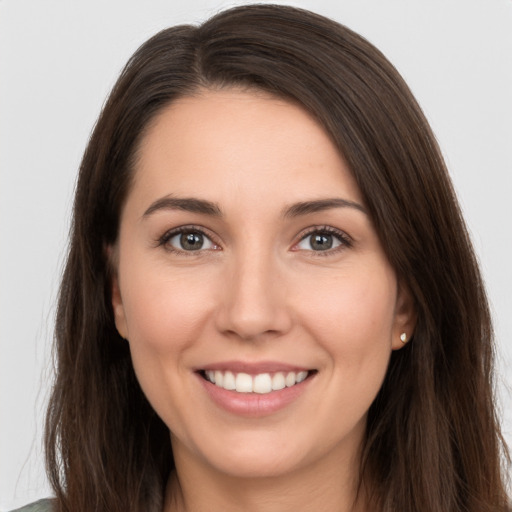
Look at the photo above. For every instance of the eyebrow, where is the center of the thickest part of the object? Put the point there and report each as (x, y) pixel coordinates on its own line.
(320, 205)
(194, 205)
(188, 204)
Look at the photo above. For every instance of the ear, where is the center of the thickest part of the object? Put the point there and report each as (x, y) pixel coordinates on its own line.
(115, 294)
(405, 317)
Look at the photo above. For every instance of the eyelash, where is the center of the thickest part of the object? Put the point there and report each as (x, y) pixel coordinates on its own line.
(163, 241)
(344, 240)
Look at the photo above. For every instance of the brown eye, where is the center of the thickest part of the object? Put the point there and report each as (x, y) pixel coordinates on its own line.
(190, 241)
(319, 241)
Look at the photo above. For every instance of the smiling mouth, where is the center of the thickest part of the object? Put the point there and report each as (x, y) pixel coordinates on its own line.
(261, 383)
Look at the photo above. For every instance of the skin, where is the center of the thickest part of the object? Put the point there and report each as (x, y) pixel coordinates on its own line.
(257, 292)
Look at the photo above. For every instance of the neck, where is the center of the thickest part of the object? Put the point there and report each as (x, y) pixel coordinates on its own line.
(330, 486)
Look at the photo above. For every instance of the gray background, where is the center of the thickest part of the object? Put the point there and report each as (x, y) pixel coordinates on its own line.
(58, 60)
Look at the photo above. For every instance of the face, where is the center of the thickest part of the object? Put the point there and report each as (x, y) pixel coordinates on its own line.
(252, 288)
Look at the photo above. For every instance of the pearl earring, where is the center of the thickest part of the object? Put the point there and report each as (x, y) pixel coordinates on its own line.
(403, 338)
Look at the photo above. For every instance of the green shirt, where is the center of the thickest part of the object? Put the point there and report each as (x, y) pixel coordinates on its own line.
(38, 506)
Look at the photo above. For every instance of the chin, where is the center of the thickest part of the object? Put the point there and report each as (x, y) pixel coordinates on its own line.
(259, 465)
(262, 455)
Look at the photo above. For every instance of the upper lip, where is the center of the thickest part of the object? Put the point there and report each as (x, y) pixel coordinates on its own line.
(253, 368)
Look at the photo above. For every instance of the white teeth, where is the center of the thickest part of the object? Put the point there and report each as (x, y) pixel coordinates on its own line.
(229, 381)
(278, 381)
(301, 376)
(261, 383)
(290, 379)
(243, 383)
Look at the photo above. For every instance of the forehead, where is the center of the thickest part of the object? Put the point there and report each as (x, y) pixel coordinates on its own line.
(217, 142)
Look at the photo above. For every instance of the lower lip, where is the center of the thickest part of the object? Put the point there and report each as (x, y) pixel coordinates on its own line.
(254, 404)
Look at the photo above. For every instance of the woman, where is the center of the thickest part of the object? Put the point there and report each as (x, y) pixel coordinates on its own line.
(270, 300)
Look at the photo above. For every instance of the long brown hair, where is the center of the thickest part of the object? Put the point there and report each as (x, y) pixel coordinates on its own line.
(433, 441)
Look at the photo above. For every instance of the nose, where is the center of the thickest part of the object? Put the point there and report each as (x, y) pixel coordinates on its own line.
(254, 303)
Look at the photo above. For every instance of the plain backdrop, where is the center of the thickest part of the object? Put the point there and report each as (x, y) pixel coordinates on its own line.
(58, 60)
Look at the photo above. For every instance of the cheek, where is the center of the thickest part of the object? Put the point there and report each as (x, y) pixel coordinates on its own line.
(352, 315)
(165, 312)
(352, 321)
(166, 315)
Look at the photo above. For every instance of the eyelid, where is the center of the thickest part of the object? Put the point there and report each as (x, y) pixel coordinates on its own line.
(342, 236)
(345, 240)
(170, 233)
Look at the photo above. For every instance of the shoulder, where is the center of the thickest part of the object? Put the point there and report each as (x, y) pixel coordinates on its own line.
(45, 505)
